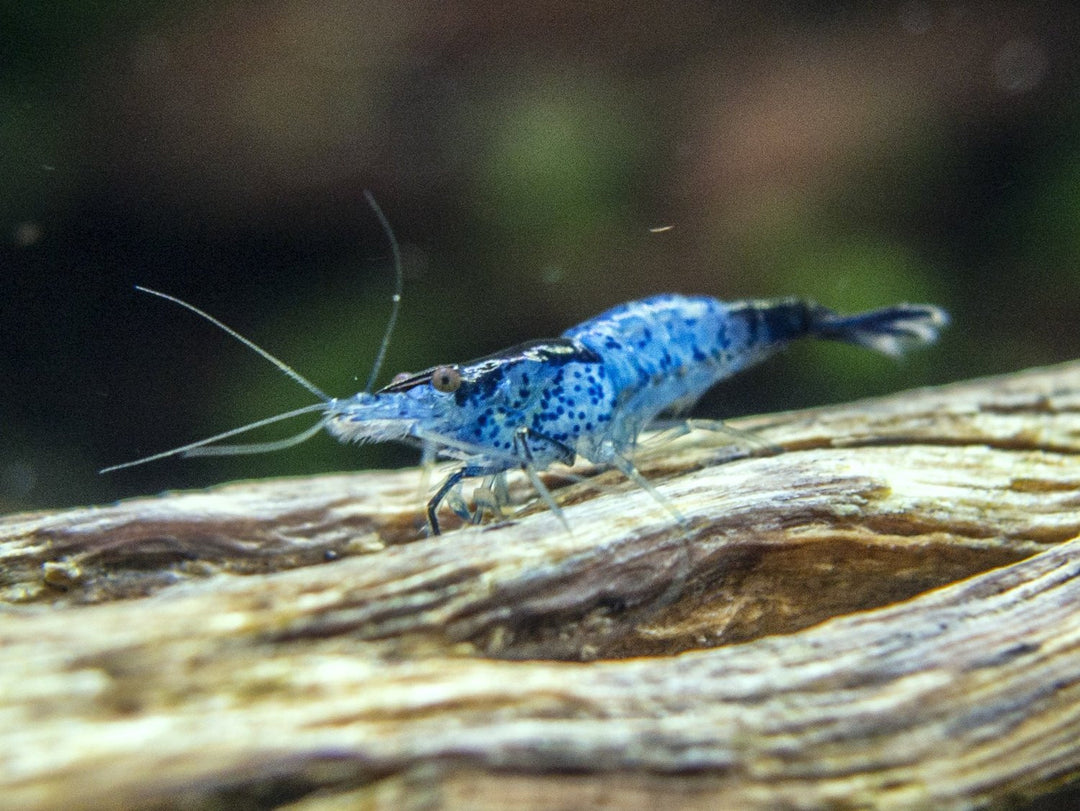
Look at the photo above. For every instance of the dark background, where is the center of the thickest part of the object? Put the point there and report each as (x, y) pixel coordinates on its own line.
(856, 153)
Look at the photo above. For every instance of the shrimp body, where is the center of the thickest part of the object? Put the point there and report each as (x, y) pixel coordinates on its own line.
(592, 391)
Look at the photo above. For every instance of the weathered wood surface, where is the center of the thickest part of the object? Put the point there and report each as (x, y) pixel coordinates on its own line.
(885, 612)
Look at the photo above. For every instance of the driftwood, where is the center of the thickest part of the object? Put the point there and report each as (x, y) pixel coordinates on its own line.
(881, 607)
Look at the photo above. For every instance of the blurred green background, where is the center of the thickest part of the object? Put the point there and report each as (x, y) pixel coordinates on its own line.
(531, 158)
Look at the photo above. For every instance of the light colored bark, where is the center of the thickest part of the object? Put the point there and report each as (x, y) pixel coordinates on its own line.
(881, 609)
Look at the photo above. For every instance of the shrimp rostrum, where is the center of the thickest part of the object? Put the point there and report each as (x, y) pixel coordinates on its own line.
(589, 393)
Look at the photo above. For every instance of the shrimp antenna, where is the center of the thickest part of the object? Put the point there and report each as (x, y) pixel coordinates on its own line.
(254, 347)
(399, 287)
(198, 448)
(205, 447)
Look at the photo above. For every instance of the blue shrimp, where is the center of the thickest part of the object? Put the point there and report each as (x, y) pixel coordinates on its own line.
(589, 393)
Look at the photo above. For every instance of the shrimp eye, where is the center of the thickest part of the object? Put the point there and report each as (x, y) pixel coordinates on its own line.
(446, 378)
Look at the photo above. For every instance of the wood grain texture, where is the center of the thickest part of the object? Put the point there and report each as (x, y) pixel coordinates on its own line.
(881, 608)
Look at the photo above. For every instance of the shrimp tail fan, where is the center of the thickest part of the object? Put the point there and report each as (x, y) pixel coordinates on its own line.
(889, 330)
